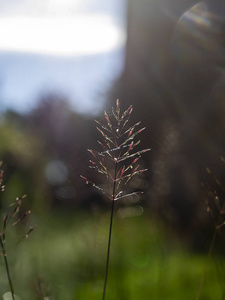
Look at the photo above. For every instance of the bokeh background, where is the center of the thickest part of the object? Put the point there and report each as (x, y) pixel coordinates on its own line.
(62, 63)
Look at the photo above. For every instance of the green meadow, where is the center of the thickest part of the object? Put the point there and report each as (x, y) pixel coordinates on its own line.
(65, 257)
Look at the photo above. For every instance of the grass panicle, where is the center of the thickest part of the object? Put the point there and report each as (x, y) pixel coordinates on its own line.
(117, 161)
(11, 219)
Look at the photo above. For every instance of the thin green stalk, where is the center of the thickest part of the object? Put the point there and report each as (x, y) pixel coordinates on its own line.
(7, 268)
(110, 233)
(206, 264)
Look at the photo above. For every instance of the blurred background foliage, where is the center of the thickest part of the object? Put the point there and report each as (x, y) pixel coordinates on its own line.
(174, 78)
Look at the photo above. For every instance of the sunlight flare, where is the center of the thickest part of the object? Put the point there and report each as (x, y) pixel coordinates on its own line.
(78, 35)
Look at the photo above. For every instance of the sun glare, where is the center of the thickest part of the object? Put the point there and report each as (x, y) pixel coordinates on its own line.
(67, 36)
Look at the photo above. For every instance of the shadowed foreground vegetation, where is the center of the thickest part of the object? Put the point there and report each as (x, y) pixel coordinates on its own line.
(67, 255)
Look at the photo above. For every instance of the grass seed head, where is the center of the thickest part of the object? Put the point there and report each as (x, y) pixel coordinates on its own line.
(117, 151)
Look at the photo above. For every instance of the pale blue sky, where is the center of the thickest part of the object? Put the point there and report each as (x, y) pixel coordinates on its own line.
(71, 47)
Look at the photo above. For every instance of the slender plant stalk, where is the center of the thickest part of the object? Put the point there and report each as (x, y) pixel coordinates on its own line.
(206, 265)
(7, 268)
(11, 219)
(216, 207)
(110, 234)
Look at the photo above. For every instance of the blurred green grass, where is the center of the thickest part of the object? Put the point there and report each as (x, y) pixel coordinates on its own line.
(68, 251)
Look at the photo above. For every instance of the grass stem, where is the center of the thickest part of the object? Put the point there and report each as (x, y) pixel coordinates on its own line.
(206, 264)
(110, 233)
(7, 268)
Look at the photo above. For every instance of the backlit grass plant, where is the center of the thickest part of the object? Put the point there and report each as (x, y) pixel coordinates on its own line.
(11, 219)
(216, 207)
(117, 160)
